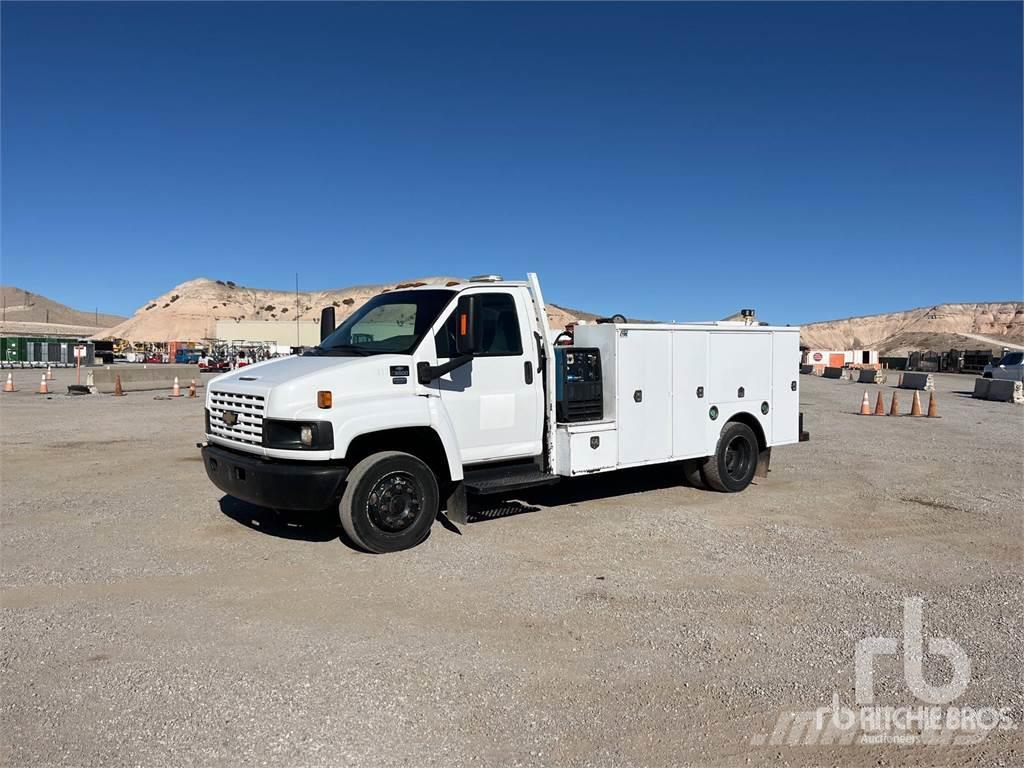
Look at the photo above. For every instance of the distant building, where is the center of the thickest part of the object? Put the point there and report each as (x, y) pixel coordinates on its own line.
(856, 358)
(280, 333)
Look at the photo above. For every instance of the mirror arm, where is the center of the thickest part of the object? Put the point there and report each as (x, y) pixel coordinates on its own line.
(426, 373)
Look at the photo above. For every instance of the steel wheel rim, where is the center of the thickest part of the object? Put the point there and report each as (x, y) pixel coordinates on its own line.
(738, 456)
(394, 502)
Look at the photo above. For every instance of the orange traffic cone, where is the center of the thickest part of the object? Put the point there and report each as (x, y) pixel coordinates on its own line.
(192, 388)
(9, 384)
(894, 409)
(880, 404)
(865, 405)
(118, 389)
(49, 373)
(933, 407)
(176, 390)
(915, 408)
(43, 389)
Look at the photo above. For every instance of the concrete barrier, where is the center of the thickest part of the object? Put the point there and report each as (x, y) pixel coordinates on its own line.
(870, 376)
(914, 380)
(1005, 391)
(981, 388)
(141, 378)
(833, 373)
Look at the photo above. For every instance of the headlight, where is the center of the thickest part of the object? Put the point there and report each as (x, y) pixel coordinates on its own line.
(298, 435)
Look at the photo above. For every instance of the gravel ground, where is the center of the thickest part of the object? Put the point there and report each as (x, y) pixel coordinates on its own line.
(616, 620)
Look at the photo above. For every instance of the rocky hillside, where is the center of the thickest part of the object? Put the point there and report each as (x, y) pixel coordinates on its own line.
(21, 306)
(941, 327)
(190, 311)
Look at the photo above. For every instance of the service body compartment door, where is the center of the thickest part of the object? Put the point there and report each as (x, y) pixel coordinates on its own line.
(785, 388)
(644, 388)
(689, 398)
(586, 448)
(740, 368)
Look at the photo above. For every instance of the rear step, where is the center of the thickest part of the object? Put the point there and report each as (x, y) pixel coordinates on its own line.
(488, 480)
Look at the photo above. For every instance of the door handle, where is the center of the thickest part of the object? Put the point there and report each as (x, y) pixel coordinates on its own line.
(528, 371)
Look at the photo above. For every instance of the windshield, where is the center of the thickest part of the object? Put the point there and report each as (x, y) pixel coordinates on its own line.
(389, 323)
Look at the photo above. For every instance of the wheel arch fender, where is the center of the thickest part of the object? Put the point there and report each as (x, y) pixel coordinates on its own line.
(420, 430)
(744, 417)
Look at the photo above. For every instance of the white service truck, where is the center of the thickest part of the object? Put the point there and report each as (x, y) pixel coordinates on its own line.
(427, 393)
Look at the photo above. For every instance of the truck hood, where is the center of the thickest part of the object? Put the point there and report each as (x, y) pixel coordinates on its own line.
(270, 373)
(290, 384)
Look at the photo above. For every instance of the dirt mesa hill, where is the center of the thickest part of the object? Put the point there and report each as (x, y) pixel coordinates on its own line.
(940, 327)
(190, 311)
(30, 313)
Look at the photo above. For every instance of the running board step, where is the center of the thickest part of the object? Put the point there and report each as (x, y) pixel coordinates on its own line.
(490, 480)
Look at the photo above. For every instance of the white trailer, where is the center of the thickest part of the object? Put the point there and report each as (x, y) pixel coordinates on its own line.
(427, 393)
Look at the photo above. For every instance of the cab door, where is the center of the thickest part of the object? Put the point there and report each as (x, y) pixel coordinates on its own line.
(495, 402)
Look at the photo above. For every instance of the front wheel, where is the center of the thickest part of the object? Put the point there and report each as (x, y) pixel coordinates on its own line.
(732, 467)
(389, 503)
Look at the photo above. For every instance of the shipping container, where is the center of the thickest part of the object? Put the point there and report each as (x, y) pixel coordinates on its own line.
(29, 350)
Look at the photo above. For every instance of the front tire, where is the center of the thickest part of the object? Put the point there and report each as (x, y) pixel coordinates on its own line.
(390, 502)
(735, 461)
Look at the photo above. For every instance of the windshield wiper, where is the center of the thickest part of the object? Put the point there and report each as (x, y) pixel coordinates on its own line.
(344, 348)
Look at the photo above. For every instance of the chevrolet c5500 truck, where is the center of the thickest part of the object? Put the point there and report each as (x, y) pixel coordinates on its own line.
(427, 393)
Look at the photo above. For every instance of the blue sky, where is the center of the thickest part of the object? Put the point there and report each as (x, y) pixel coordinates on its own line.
(672, 161)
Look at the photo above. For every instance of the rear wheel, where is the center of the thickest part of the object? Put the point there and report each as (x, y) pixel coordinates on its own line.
(691, 471)
(732, 467)
(389, 503)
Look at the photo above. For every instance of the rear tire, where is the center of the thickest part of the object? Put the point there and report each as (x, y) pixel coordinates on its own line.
(735, 461)
(691, 471)
(390, 502)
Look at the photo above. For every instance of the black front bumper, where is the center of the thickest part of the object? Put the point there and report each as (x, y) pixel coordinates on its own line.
(288, 485)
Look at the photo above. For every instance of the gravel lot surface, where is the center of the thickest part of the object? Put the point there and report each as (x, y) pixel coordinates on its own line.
(623, 620)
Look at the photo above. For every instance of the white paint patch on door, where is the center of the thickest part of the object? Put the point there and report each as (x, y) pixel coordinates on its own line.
(497, 411)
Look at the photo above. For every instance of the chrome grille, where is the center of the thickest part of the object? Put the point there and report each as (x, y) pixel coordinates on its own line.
(248, 427)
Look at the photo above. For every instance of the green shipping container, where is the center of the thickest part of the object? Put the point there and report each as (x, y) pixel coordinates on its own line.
(13, 349)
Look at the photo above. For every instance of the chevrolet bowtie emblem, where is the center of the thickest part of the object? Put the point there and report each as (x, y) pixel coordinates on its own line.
(230, 418)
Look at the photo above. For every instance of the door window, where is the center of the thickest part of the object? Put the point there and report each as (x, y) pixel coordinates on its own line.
(499, 325)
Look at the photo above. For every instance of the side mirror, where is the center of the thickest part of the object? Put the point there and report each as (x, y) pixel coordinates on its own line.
(468, 334)
(326, 322)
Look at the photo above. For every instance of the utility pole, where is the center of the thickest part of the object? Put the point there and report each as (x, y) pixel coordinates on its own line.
(298, 342)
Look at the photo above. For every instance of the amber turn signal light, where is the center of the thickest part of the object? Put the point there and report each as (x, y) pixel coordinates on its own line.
(323, 399)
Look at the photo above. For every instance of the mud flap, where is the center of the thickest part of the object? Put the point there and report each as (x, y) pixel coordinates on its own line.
(456, 507)
(764, 458)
